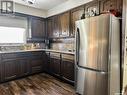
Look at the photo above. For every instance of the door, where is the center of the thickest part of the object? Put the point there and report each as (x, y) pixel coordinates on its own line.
(10, 69)
(92, 42)
(96, 83)
(64, 24)
(49, 27)
(24, 67)
(76, 14)
(37, 28)
(36, 65)
(67, 70)
(56, 26)
(90, 82)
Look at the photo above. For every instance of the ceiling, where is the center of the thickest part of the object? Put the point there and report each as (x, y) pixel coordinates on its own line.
(42, 4)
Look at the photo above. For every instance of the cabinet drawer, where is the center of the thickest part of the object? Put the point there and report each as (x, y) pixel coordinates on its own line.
(37, 53)
(9, 56)
(36, 69)
(55, 55)
(67, 57)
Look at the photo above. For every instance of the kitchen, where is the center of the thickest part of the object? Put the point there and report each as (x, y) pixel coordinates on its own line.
(38, 54)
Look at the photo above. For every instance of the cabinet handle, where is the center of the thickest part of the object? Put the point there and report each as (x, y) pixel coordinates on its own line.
(10, 77)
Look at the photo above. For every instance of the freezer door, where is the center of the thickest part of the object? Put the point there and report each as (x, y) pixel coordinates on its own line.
(96, 83)
(90, 82)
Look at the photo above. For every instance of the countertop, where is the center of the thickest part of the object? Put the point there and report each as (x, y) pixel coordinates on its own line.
(48, 50)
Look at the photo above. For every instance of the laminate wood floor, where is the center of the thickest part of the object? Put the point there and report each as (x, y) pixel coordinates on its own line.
(41, 84)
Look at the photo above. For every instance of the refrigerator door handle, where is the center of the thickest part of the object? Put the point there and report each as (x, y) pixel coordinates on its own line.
(77, 45)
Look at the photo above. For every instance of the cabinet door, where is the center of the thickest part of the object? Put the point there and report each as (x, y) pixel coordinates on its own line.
(10, 69)
(55, 66)
(24, 67)
(107, 5)
(76, 14)
(56, 26)
(64, 24)
(49, 28)
(96, 83)
(47, 62)
(37, 28)
(36, 65)
(67, 70)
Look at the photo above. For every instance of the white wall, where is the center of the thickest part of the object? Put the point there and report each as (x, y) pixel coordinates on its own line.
(125, 29)
(66, 6)
(30, 10)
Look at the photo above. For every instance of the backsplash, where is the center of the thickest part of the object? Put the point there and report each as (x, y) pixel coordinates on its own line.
(12, 47)
(63, 44)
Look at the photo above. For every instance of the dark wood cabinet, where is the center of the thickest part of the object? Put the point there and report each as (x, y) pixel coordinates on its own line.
(36, 65)
(61, 65)
(67, 67)
(56, 26)
(107, 5)
(53, 27)
(76, 14)
(37, 31)
(10, 69)
(54, 65)
(64, 24)
(20, 64)
(24, 67)
(49, 28)
(47, 62)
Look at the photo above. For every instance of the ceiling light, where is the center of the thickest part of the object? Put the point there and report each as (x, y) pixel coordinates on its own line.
(30, 1)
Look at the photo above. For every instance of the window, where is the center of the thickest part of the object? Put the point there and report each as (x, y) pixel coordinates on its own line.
(13, 30)
(12, 35)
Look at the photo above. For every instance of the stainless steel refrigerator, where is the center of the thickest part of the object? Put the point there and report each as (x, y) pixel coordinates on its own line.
(97, 60)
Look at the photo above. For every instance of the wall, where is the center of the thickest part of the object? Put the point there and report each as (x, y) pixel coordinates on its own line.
(29, 10)
(125, 48)
(66, 6)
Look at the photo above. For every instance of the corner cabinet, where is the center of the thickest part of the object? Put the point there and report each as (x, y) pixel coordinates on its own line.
(61, 65)
(36, 29)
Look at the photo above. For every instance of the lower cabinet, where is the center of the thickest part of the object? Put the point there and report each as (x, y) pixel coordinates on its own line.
(61, 65)
(55, 66)
(36, 65)
(20, 65)
(67, 70)
(24, 67)
(10, 69)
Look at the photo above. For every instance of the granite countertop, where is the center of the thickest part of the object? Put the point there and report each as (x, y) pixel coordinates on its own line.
(48, 50)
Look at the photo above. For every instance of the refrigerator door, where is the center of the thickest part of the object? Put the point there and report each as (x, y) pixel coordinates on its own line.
(90, 82)
(92, 43)
(96, 83)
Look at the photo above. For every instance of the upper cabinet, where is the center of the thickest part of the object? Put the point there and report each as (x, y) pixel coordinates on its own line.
(36, 29)
(53, 27)
(107, 5)
(76, 14)
(59, 25)
(49, 28)
(56, 26)
(64, 24)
